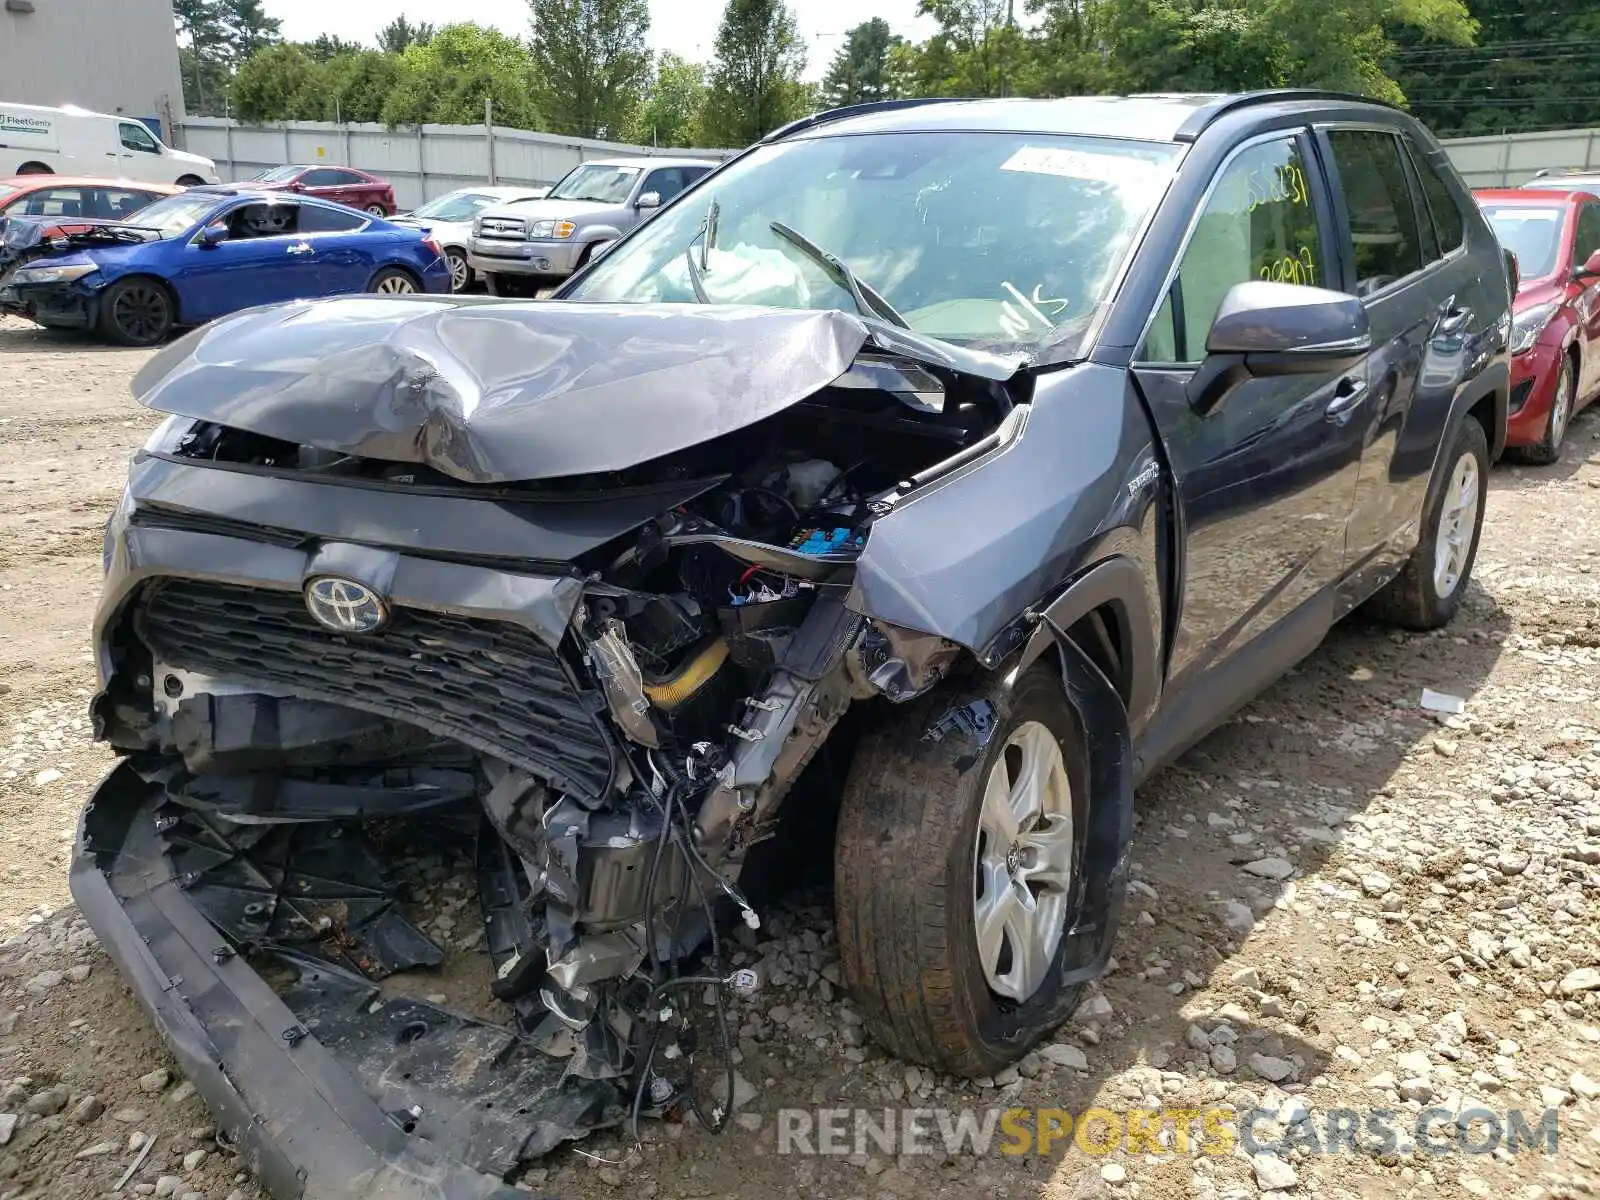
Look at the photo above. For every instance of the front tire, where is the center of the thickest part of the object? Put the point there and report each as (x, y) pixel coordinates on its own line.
(34, 168)
(1548, 449)
(953, 889)
(189, 181)
(460, 273)
(377, 210)
(137, 312)
(1428, 590)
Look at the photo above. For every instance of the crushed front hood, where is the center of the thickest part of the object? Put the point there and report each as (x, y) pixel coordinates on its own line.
(499, 392)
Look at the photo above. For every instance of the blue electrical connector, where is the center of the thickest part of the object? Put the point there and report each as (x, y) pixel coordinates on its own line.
(827, 541)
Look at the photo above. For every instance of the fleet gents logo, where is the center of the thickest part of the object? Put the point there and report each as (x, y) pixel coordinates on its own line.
(1211, 1131)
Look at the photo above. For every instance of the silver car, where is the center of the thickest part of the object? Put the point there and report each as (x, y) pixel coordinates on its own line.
(515, 246)
(449, 220)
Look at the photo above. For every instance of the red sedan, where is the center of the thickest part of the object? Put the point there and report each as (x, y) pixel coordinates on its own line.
(342, 185)
(1555, 337)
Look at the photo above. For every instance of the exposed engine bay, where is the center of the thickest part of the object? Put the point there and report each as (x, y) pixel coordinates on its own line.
(335, 740)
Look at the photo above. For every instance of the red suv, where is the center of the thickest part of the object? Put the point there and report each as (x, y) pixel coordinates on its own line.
(342, 185)
(1555, 338)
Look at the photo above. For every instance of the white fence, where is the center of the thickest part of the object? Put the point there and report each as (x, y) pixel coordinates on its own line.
(421, 162)
(428, 161)
(1510, 159)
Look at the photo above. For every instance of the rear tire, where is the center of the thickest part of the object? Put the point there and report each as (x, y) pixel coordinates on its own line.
(915, 865)
(1428, 590)
(137, 312)
(34, 168)
(392, 281)
(1548, 448)
(377, 210)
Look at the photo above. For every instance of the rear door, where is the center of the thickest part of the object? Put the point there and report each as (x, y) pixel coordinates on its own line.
(263, 261)
(330, 183)
(1585, 242)
(1409, 267)
(1266, 480)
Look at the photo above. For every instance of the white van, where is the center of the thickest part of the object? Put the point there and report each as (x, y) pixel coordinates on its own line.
(73, 141)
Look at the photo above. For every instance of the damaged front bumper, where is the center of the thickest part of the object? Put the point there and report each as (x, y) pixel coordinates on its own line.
(313, 1115)
(59, 305)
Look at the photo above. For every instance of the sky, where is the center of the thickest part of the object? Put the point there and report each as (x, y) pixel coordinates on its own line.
(686, 27)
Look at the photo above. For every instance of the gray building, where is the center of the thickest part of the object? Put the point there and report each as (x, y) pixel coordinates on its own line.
(113, 56)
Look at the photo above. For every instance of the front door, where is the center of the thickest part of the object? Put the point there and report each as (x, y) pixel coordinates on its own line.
(263, 260)
(1267, 479)
(1586, 240)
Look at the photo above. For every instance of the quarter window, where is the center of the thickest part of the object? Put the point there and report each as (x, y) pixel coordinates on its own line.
(1383, 223)
(1258, 223)
(1447, 223)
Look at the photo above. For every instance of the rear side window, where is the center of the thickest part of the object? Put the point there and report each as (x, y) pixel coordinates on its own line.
(1258, 223)
(118, 203)
(1448, 226)
(314, 219)
(1383, 223)
(55, 202)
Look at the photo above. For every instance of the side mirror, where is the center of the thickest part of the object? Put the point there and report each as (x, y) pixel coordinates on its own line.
(1513, 272)
(648, 200)
(297, 186)
(214, 235)
(1264, 330)
(1590, 268)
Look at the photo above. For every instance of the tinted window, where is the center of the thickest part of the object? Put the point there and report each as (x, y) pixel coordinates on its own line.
(1588, 234)
(328, 177)
(118, 203)
(263, 220)
(280, 174)
(1383, 223)
(137, 137)
(54, 202)
(1258, 223)
(314, 219)
(1442, 206)
(1532, 233)
(668, 182)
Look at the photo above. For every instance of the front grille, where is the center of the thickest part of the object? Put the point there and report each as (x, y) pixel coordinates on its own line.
(148, 517)
(489, 684)
(503, 227)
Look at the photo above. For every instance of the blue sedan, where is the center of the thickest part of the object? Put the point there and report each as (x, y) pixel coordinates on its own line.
(211, 251)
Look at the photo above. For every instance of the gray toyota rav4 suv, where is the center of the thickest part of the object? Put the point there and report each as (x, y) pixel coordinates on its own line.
(898, 497)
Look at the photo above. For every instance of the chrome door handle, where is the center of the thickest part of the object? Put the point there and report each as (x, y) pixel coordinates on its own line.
(300, 248)
(1351, 393)
(1455, 320)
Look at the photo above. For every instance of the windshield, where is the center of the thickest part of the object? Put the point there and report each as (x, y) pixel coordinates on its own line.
(1532, 234)
(175, 214)
(279, 174)
(607, 185)
(457, 206)
(993, 240)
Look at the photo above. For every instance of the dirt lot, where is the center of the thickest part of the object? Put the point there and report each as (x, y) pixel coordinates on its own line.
(1343, 903)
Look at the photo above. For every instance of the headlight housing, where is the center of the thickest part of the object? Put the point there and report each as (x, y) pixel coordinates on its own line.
(557, 230)
(1527, 325)
(65, 273)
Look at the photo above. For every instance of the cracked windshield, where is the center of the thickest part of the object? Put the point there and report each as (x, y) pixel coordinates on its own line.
(989, 240)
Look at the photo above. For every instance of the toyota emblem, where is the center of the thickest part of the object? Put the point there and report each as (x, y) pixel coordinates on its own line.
(345, 606)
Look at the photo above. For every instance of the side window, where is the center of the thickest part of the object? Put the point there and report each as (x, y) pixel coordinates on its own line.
(136, 137)
(1448, 225)
(1588, 234)
(1258, 223)
(262, 221)
(117, 204)
(56, 202)
(315, 219)
(1383, 223)
(668, 182)
(329, 177)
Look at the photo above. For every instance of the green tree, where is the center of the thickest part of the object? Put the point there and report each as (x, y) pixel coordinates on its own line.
(590, 63)
(248, 28)
(755, 75)
(400, 34)
(447, 79)
(671, 105)
(980, 50)
(350, 87)
(860, 71)
(1067, 52)
(1176, 45)
(327, 47)
(276, 83)
(203, 61)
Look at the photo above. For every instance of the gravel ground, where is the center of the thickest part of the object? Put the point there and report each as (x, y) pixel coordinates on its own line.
(1342, 902)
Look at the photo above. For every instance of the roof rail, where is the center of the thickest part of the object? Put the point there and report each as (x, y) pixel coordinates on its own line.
(854, 110)
(1205, 116)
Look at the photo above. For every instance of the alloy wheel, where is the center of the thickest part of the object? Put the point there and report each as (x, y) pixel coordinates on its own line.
(396, 285)
(1458, 524)
(1023, 862)
(1561, 410)
(141, 312)
(459, 272)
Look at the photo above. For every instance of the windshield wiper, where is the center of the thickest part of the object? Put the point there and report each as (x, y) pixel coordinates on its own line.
(706, 238)
(868, 301)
